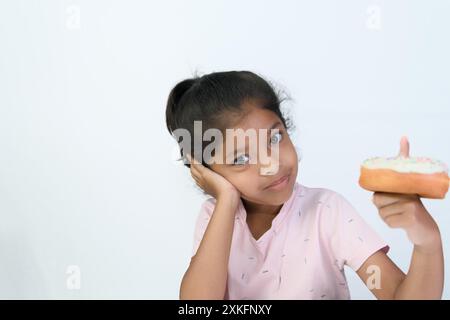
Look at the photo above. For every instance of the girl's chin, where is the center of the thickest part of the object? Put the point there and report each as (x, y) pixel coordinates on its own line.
(279, 197)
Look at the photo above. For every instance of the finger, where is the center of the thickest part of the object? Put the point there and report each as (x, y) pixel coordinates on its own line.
(194, 169)
(382, 199)
(397, 221)
(195, 175)
(193, 166)
(189, 158)
(199, 184)
(200, 168)
(404, 147)
(392, 209)
(193, 160)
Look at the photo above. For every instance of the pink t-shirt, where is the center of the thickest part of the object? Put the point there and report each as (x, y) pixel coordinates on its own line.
(302, 255)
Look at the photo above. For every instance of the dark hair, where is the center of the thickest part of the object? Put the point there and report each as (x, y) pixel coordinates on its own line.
(217, 100)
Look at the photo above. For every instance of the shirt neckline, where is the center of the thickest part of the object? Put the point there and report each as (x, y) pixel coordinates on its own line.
(277, 222)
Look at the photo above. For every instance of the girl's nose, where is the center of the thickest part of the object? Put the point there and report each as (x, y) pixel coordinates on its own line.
(271, 169)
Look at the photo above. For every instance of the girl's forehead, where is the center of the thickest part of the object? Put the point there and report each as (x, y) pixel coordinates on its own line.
(256, 123)
(256, 118)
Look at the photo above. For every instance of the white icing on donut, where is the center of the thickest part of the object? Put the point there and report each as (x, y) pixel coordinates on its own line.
(410, 164)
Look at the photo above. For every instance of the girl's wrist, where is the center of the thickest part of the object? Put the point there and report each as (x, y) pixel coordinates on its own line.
(434, 245)
(229, 199)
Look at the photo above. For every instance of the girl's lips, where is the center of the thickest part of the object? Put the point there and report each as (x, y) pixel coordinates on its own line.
(280, 183)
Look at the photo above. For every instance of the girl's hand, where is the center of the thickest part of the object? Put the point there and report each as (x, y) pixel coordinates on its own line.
(211, 182)
(406, 211)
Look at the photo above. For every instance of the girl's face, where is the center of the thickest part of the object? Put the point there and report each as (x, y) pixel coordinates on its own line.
(254, 180)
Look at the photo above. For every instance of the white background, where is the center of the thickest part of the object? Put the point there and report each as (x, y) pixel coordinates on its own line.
(87, 176)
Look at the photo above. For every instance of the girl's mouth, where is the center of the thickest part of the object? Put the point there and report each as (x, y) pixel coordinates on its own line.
(279, 183)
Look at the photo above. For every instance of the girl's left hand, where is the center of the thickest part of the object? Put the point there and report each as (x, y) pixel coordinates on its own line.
(406, 211)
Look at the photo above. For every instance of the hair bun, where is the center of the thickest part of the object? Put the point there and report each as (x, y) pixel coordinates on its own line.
(174, 99)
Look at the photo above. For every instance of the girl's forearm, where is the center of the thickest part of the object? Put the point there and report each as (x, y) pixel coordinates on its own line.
(425, 278)
(206, 277)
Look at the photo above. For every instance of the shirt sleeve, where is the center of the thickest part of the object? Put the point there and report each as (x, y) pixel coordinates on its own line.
(202, 221)
(352, 241)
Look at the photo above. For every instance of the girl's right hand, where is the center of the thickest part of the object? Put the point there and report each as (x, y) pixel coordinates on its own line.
(211, 182)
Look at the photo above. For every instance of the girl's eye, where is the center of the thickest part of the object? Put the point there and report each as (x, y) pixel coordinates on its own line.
(241, 160)
(276, 138)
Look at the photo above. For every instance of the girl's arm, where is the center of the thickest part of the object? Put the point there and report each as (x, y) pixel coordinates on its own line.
(424, 280)
(425, 277)
(206, 277)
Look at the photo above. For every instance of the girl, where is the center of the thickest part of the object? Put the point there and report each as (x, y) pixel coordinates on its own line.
(262, 235)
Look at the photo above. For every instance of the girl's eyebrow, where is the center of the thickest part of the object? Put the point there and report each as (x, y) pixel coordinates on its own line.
(276, 124)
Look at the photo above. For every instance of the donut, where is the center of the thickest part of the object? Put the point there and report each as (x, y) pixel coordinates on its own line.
(423, 176)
